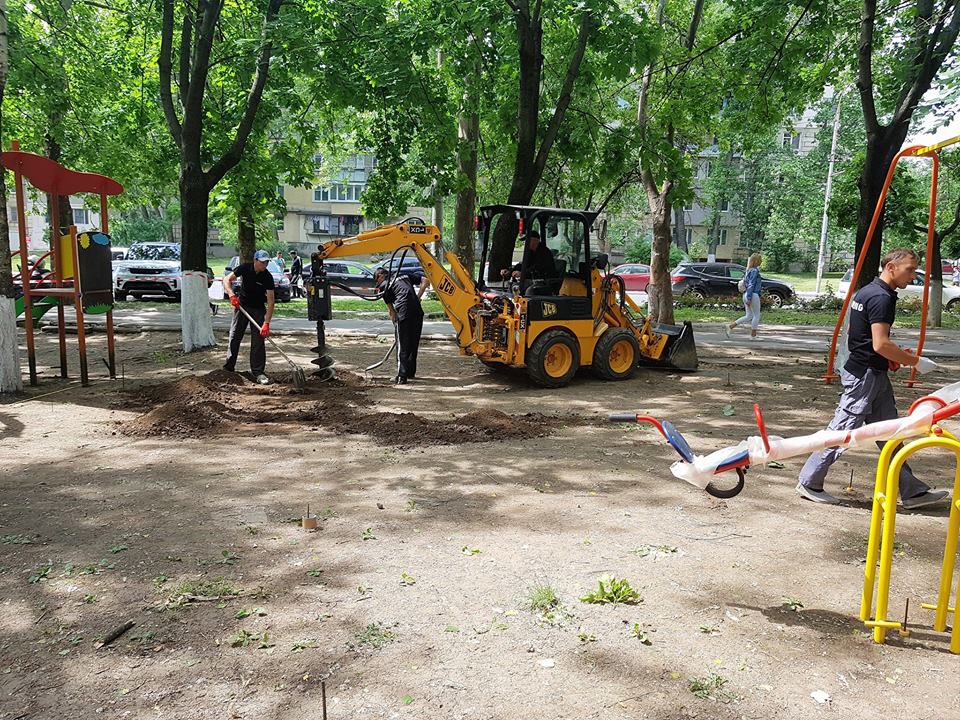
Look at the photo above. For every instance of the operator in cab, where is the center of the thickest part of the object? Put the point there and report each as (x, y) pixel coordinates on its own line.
(403, 304)
(256, 300)
(542, 264)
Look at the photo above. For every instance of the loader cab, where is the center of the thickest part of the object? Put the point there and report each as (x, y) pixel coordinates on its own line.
(561, 292)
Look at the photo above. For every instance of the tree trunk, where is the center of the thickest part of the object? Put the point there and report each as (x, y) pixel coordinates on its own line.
(195, 317)
(935, 309)
(660, 294)
(246, 234)
(10, 379)
(466, 209)
(881, 149)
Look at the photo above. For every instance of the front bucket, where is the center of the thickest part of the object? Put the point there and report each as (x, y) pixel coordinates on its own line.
(680, 352)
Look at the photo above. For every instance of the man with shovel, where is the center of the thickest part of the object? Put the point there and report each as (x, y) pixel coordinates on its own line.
(256, 298)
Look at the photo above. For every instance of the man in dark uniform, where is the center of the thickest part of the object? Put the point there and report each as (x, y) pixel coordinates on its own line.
(403, 303)
(867, 393)
(257, 298)
(541, 264)
(296, 272)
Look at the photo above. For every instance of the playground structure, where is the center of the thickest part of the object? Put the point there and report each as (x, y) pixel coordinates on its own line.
(883, 523)
(920, 151)
(82, 272)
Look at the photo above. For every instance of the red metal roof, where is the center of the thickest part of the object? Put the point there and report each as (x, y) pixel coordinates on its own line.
(52, 177)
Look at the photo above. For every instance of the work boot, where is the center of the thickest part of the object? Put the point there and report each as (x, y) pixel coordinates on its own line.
(229, 368)
(817, 496)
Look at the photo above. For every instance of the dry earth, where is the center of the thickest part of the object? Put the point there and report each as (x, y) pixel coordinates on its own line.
(172, 500)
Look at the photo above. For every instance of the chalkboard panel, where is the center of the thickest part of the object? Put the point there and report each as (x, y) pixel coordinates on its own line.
(95, 263)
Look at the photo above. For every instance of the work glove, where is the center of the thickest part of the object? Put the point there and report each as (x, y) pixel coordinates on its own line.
(265, 329)
(893, 366)
(925, 365)
(235, 301)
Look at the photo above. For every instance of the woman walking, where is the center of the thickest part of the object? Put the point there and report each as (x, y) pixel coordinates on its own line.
(750, 285)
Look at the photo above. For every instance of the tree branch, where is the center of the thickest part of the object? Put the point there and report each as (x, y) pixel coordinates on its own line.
(166, 98)
(931, 59)
(566, 92)
(209, 11)
(185, 41)
(865, 67)
(232, 156)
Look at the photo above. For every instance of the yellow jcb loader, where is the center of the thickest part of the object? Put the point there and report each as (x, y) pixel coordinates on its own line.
(548, 321)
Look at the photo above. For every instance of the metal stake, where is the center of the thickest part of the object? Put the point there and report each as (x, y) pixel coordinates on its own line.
(323, 698)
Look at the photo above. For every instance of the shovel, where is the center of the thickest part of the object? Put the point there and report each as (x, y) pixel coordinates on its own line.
(299, 377)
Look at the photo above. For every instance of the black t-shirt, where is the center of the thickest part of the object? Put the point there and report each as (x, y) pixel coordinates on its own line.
(403, 298)
(873, 303)
(254, 285)
(541, 263)
(296, 267)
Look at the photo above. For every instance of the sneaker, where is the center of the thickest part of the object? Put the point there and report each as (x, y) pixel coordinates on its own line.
(401, 381)
(754, 337)
(726, 330)
(928, 498)
(262, 379)
(817, 496)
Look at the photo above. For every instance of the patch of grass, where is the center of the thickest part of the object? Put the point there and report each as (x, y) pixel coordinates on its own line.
(406, 579)
(654, 551)
(638, 632)
(229, 558)
(16, 539)
(586, 637)
(96, 569)
(118, 548)
(411, 506)
(245, 638)
(315, 573)
(302, 645)
(792, 604)
(186, 591)
(543, 601)
(368, 534)
(40, 574)
(89, 599)
(710, 688)
(375, 635)
(612, 591)
(467, 550)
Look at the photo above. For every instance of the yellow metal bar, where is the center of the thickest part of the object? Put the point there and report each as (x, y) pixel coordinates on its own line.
(949, 550)
(886, 541)
(934, 606)
(885, 624)
(876, 521)
(938, 146)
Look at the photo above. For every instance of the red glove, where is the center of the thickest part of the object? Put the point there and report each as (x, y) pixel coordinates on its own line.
(265, 329)
(893, 366)
(235, 301)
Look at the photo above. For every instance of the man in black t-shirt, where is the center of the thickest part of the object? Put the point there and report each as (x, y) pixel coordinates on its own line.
(257, 298)
(541, 263)
(403, 304)
(867, 393)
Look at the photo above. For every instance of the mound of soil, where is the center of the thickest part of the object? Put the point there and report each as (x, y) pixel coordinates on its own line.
(201, 406)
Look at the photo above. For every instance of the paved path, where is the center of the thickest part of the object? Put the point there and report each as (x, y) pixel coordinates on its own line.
(939, 343)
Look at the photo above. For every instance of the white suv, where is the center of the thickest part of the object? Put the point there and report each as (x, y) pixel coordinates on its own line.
(951, 293)
(150, 269)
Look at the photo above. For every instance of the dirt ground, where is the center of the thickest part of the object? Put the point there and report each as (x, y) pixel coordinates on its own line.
(172, 499)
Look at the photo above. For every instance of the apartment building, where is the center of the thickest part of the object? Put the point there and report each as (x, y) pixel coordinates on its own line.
(800, 136)
(37, 227)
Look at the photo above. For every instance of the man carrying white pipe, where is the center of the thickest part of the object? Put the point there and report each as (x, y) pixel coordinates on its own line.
(867, 392)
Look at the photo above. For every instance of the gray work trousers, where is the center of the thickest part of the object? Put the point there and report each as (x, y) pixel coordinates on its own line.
(865, 400)
(258, 353)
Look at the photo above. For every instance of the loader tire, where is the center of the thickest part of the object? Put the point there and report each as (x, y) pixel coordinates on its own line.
(553, 359)
(616, 355)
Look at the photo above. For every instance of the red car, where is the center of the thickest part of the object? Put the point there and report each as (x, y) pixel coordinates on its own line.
(635, 276)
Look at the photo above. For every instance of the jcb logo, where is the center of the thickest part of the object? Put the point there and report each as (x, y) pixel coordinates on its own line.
(446, 286)
(549, 309)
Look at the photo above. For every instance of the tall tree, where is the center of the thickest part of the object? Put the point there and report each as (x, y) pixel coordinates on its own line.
(10, 380)
(901, 51)
(187, 107)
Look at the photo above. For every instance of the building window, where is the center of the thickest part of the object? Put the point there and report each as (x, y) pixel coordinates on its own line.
(321, 195)
(725, 206)
(350, 224)
(81, 216)
(789, 140)
(723, 237)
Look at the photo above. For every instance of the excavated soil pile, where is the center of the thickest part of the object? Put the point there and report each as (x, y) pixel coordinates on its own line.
(219, 402)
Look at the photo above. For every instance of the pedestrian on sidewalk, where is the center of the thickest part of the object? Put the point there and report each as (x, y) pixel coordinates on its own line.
(867, 392)
(403, 304)
(257, 298)
(296, 274)
(750, 286)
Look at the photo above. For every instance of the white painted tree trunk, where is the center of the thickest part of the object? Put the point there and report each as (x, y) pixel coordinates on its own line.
(195, 318)
(10, 381)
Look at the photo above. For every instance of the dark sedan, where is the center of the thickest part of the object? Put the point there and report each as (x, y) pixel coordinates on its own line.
(719, 279)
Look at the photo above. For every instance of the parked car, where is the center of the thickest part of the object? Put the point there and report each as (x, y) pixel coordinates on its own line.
(150, 269)
(635, 276)
(951, 293)
(408, 266)
(118, 253)
(719, 279)
(354, 275)
(281, 290)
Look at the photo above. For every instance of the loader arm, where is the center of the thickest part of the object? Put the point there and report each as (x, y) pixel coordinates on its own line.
(456, 291)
